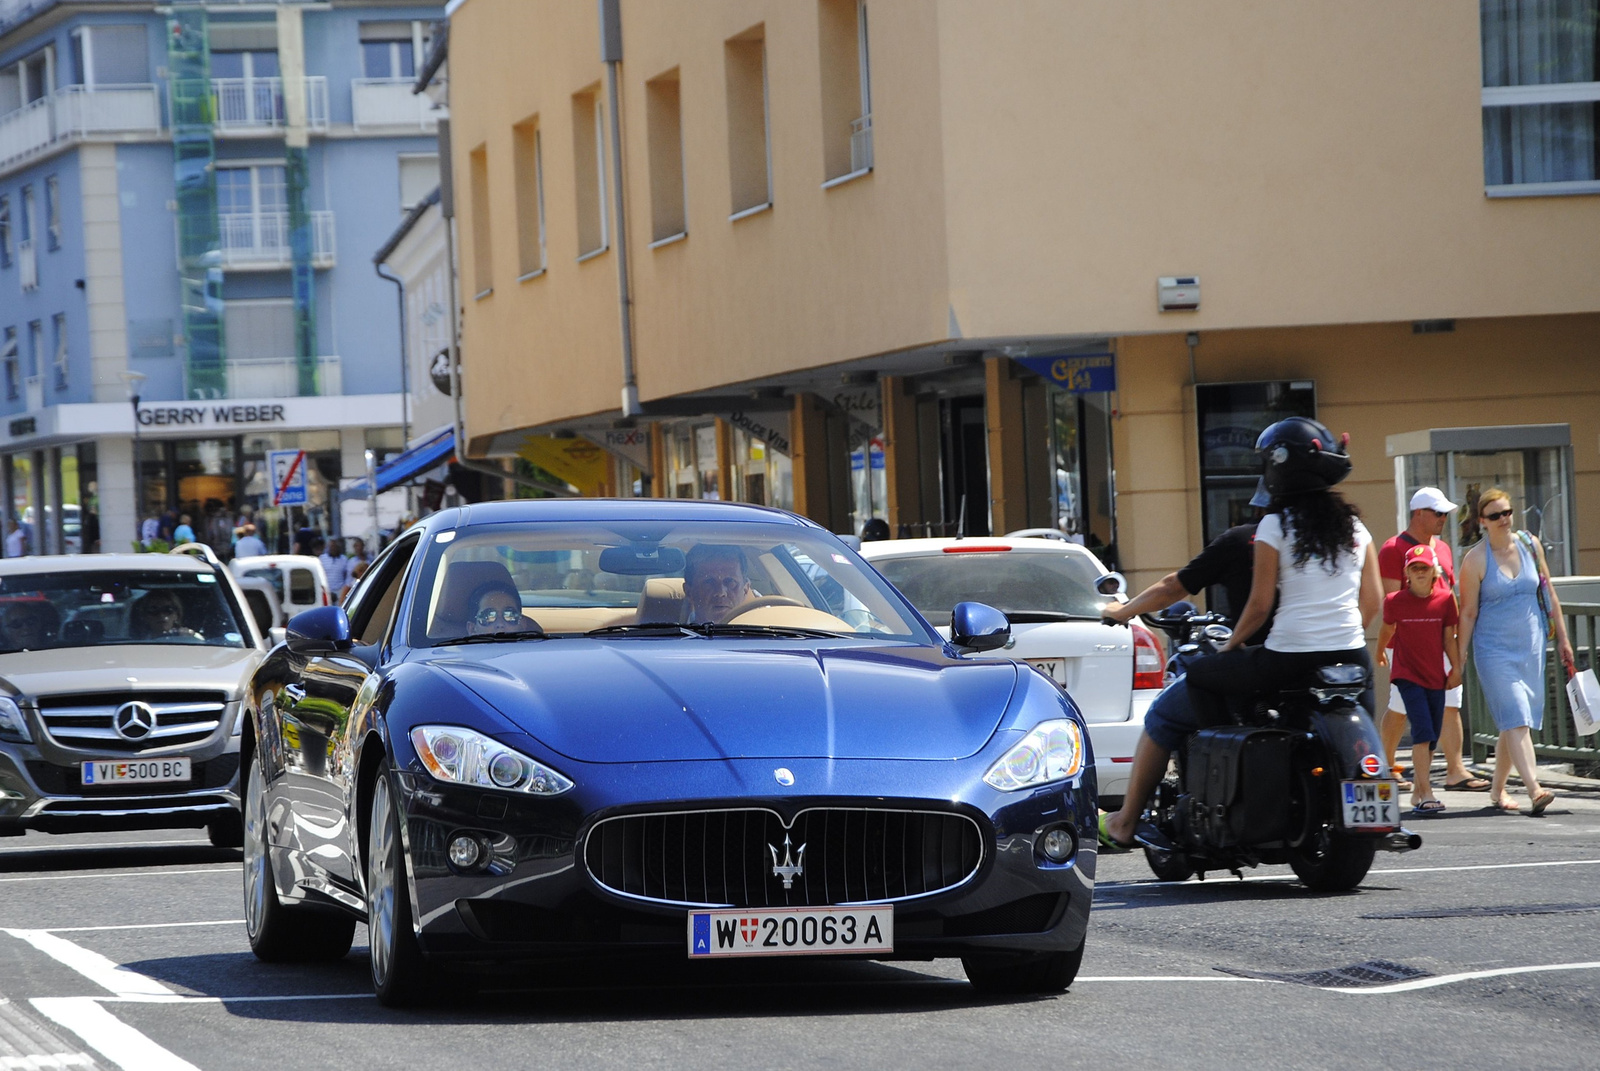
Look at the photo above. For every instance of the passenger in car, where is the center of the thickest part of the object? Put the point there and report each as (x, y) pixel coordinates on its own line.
(715, 581)
(30, 626)
(496, 608)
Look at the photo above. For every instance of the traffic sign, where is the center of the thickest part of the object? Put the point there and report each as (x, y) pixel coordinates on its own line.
(288, 469)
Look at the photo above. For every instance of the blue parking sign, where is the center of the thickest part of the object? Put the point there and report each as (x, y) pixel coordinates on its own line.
(288, 471)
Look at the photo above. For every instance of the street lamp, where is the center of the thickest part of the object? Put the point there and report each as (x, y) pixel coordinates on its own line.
(132, 381)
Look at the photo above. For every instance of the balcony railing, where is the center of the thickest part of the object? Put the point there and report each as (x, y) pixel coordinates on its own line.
(28, 263)
(261, 239)
(256, 104)
(77, 112)
(861, 143)
(278, 377)
(389, 104)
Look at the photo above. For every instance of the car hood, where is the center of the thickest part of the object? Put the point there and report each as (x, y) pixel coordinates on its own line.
(113, 668)
(665, 700)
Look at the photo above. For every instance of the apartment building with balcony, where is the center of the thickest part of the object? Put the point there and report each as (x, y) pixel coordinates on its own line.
(982, 267)
(189, 196)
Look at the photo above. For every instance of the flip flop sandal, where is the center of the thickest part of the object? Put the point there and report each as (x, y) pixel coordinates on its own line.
(1110, 843)
(1428, 807)
(1510, 806)
(1541, 801)
(1468, 784)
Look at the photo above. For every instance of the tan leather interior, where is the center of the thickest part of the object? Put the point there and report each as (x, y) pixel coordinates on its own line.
(790, 617)
(661, 601)
(579, 618)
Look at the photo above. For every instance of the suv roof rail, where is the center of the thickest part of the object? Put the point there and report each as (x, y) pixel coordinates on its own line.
(197, 550)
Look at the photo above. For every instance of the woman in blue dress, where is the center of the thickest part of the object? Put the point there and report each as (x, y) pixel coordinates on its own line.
(1503, 628)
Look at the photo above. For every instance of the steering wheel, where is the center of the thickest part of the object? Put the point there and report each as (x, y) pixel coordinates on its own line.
(765, 600)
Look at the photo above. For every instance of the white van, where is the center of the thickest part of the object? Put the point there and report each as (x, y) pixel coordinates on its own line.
(298, 579)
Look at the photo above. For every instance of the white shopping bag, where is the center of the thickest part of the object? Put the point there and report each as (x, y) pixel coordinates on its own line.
(1583, 690)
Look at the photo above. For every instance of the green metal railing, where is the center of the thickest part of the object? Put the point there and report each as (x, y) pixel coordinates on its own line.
(1559, 738)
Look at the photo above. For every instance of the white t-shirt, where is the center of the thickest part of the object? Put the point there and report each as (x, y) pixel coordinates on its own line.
(1318, 609)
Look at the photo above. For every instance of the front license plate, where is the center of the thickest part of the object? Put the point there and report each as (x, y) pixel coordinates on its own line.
(1371, 805)
(790, 931)
(116, 772)
(1054, 668)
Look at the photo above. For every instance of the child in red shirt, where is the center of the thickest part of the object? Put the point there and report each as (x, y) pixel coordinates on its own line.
(1420, 621)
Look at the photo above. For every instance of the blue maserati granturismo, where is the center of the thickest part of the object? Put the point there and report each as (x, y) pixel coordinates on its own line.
(557, 730)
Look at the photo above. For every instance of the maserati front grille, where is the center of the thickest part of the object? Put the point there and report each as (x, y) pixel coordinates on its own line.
(749, 858)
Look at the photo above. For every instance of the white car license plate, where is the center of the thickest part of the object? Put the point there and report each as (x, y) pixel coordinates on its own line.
(1054, 668)
(117, 772)
(790, 931)
(1371, 805)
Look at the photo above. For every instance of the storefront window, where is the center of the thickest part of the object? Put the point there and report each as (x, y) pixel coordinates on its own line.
(705, 452)
(1080, 431)
(21, 535)
(869, 480)
(283, 528)
(1232, 417)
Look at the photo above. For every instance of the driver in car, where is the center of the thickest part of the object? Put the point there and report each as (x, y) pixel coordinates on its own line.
(496, 608)
(714, 582)
(158, 615)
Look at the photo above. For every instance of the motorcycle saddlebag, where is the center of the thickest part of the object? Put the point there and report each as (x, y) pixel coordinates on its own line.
(1239, 777)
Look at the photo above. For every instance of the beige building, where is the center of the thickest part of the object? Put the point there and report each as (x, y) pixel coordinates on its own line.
(904, 258)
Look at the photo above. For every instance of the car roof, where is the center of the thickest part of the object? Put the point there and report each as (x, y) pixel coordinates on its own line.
(604, 510)
(94, 563)
(256, 561)
(911, 548)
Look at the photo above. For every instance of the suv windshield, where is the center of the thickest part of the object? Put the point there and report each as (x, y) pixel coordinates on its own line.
(656, 577)
(96, 609)
(1017, 582)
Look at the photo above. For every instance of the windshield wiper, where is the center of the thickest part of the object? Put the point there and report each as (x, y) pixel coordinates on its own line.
(494, 637)
(650, 628)
(1025, 617)
(793, 631)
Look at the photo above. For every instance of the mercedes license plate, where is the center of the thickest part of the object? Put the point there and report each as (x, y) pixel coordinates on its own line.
(790, 931)
(114, 772)
(1371, 805)
(1054, 668)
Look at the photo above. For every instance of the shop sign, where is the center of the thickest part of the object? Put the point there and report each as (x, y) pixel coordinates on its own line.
(631, 444)
(764, 426)
(1080, 373)
(24, 426)
(210, 416)
(577, 461)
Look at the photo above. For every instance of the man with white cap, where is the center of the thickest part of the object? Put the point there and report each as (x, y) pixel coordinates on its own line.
(1430, 512)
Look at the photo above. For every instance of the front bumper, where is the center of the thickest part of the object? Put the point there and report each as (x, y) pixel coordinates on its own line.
(543, 902)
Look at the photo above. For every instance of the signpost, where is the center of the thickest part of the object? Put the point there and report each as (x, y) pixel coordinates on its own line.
(288, 469)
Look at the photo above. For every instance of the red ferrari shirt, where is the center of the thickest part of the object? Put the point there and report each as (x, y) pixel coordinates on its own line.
(1419, 634)
(1392, 560)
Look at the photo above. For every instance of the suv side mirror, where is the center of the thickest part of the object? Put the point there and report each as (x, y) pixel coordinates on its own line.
(321, 631)
(976, 626)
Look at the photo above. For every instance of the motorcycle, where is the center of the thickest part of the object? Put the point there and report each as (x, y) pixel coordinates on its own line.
(1299, 779)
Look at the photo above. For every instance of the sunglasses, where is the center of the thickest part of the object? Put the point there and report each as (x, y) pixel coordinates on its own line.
(489, 616)
(1501, 515)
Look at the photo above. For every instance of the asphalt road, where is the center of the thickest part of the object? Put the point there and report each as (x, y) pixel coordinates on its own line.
(128, 951)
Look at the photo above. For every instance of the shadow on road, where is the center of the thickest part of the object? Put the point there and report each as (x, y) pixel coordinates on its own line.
(20, 861)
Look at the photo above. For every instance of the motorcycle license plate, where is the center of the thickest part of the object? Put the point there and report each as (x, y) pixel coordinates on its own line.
(790, 931)
(1370, 804)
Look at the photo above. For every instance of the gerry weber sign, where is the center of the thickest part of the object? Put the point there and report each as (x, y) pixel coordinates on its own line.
(211, 415)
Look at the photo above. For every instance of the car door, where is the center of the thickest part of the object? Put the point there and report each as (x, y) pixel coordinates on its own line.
(315, 708)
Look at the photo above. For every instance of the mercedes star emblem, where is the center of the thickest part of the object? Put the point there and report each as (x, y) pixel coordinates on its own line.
(134, 721)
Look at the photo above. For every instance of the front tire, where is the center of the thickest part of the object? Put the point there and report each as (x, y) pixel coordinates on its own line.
(1169, 866)
(226, 830)
(399, 973)
(279, 932)
(1045, 972)
(1334, 862)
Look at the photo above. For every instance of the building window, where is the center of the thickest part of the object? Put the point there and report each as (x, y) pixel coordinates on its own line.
(589, 159)
(749, 149)
(25, 249)
(253, 210)
(6, 252)
(248, 89)
(1540, 94)
(419, 176)
(390, 50)
(36, 350)
(110, 56)
(59, 324)
(8, 350)
(482, 253)
(846, 88)
(28, 80)
(52, 212)
(664, 127)
(528, 160)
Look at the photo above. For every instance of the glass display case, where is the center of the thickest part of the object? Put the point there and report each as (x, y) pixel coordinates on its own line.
(1531, 462)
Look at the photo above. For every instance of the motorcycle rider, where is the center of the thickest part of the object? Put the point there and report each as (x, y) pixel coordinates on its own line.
(1229, 561)
(1313, 553)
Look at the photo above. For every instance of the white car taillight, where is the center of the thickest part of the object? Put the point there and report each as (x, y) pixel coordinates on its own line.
(1149, 670)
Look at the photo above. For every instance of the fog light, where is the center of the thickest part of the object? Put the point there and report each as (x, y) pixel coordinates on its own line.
(1058, 844)
(465, 852)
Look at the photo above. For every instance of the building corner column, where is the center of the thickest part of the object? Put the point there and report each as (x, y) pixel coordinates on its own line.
(102, 274)
(1008, 485)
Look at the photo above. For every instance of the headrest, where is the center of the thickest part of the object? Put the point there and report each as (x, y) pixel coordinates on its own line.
(661, 601)
(87, 630)
(461, 579)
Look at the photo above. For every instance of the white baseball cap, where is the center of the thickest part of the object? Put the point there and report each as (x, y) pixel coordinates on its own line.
(1432, 498)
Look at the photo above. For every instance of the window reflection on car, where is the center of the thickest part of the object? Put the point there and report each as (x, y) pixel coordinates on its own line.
(96, 609)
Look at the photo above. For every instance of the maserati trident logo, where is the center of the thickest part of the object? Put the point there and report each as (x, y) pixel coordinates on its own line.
(793, 864)
(783, 776)
(133, 721)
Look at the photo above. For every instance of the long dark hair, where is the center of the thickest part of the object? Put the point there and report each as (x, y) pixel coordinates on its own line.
(1324, 525)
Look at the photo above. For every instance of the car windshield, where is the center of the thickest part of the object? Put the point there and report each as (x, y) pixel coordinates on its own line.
(652, 578)
(1018, 582)
(97, 609)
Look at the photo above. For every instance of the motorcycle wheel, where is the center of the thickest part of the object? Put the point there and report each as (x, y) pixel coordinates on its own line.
(1169, 866)
(1339, 867)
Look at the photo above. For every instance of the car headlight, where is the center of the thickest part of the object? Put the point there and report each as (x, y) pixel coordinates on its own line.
(464, 757)
(1052, 752)
(13, 726)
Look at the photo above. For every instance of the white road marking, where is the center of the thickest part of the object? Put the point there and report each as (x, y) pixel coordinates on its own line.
(46, 1060)
(234, 870)
(1142, 884)
(292, 997)
(16, 849)
(1162, 978)
(1467, 976)
(109, 1036)
(143, 926)
(92, 965)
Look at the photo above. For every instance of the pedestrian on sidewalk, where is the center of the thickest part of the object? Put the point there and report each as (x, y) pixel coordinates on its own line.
(1505, 629)
(336, 567)
(1430, 512)
(1419, 621)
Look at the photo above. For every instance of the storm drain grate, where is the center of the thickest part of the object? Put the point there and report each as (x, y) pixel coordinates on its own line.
(1486, 912)
(1374, 972)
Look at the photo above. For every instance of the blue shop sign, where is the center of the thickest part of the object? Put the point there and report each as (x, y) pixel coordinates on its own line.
(1080, 373)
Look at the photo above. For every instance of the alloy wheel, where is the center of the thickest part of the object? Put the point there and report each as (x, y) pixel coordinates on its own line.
(257, 876)
(381, 883)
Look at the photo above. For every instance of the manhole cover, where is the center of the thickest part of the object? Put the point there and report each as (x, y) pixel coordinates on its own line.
(1485, 912)
(1374, 972)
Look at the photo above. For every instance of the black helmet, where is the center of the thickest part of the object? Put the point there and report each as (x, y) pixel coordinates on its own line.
(876, 528)
(1300, 455)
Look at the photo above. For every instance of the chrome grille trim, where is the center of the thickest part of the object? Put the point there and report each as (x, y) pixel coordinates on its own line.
(651, 856)
(88, 725)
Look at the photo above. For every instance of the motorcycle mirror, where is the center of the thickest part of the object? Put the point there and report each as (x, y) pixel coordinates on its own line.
(1111, 585)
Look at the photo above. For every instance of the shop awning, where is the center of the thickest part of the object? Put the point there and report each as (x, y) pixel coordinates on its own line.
(431, 452)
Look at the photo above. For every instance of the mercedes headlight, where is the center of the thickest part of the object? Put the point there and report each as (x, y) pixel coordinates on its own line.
(464, 757)
(13, 726)
(1052, 752)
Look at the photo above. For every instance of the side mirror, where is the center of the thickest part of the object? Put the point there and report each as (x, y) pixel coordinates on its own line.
(1111, 585)
(276, 634)
(976, 626)
(321, 631)
(851, 541)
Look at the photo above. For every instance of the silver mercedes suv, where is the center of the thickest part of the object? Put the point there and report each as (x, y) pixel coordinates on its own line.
(120, 682)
